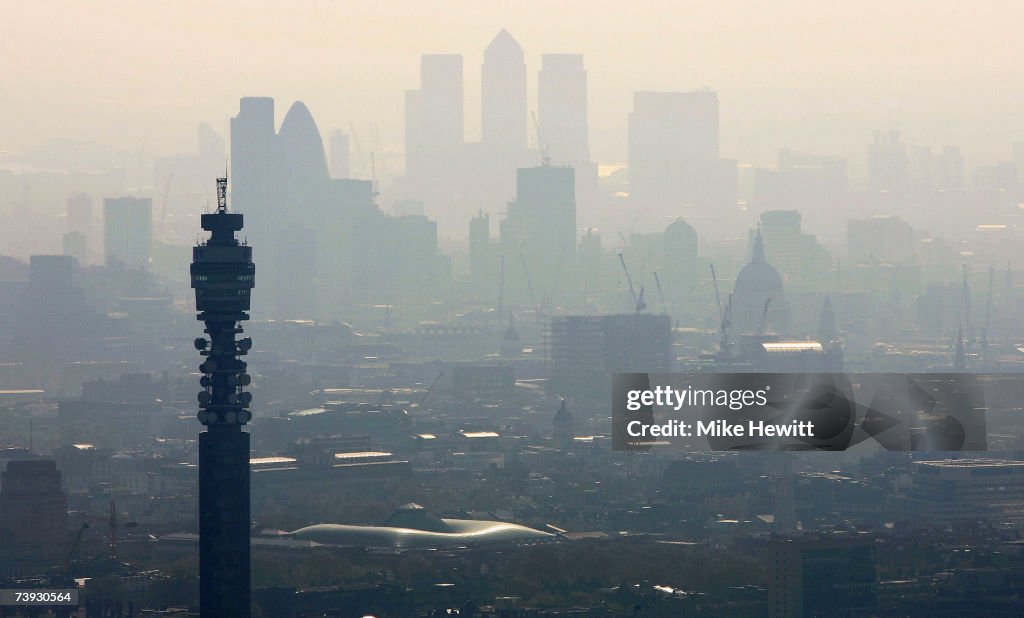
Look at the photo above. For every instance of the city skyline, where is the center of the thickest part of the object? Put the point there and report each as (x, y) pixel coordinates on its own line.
(812, 92)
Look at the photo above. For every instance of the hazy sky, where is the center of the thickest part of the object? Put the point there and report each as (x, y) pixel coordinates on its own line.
(816, 76)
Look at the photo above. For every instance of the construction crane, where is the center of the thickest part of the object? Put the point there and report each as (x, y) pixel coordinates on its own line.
(542, 148)
(71, 553)
(430, 389)
(724, 316)
(661, 294)
(718, 299)
(638, 301)
(373, 174)
(529, 282)
(764, 316)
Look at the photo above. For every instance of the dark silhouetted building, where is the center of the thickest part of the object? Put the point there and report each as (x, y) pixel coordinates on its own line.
(33, 507)
(223, 276)
(826, 577)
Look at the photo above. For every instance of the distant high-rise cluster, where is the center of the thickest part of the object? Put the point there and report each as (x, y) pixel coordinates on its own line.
(330, 247)
(457, 177)
(674, 164)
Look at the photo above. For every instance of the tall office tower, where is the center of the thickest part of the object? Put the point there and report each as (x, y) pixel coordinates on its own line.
(223, 276)
(254, 180)
(503, 102)
(783, 242)
(673, 151)
(339, 164)
(539, 233)
(128, 230)
(434, 116)
(252, 157)
(562, 108)
(299, 244)
(33, 507)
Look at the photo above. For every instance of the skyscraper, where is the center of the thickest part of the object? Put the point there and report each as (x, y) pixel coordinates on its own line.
(434, 116)
(33, 507)
(673, 151)
(303, 163)
(223, 276)
(562, 108)
(283, 186)
(252, 144)
(128, 230)
(539, 233)
(503, 101)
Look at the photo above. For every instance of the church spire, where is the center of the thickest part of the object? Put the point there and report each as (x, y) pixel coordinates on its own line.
(757, 257)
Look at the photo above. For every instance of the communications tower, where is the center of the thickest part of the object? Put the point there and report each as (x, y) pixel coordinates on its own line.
(223, 277)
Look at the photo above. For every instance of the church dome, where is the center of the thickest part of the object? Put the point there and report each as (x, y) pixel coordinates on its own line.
(759, 277)
(679, 231)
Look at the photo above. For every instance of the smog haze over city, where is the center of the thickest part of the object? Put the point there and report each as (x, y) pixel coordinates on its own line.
(511, 309)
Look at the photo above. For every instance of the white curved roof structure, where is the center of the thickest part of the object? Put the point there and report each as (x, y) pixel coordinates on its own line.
(412, 527)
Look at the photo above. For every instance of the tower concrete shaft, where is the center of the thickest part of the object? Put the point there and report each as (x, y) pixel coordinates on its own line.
(223, 277)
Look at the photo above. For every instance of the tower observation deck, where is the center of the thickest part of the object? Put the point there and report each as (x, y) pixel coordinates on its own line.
(223, 275)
